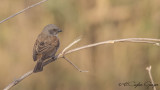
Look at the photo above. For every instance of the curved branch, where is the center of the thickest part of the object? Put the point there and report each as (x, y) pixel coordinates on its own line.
(64, 52)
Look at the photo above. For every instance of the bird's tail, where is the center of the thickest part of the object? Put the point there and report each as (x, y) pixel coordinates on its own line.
(38, 67)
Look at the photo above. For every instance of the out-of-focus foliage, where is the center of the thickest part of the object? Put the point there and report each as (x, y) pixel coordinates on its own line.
(95, 20)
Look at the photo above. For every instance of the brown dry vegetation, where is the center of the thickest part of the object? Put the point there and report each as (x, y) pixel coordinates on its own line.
(96, 20)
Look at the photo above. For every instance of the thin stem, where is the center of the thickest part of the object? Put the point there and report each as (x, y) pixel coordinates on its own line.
(74, 65)
(135, 40)
(22, 11)
(70, 45)
(150, 76)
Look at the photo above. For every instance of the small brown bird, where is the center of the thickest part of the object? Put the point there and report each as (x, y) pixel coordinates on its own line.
(46, 45)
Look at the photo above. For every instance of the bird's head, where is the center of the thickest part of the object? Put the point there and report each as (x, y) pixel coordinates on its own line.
(51, 29)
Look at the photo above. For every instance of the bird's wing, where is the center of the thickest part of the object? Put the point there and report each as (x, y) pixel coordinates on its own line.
(45, 46)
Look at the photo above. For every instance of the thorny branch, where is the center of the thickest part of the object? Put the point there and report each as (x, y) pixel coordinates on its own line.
(66, 51)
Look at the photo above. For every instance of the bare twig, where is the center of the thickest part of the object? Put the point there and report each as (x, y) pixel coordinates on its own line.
(150, 76)
(22, 11)
(70, 45)
(18, 80)
(64, 52)
(135, 40)
(74, 65)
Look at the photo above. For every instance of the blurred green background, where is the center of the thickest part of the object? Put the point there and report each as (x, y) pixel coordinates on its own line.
(95, 20)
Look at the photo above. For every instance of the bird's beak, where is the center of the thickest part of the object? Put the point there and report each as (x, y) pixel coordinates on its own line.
(59, 30)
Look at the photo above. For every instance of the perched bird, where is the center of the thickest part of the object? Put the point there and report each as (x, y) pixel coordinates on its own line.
(46, 45)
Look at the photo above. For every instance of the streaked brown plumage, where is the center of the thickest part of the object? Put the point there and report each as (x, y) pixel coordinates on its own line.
(45, 46)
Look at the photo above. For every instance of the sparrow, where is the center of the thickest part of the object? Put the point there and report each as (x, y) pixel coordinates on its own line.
(46, 46)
